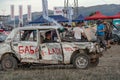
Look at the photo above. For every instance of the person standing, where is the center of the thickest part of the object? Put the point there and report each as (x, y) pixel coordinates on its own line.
(108, 33)
(101, 33)
(78, 32)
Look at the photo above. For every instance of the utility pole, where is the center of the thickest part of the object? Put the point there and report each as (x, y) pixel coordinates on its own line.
(69, 11)
(66, 3)
(76, 8)
(66, 8)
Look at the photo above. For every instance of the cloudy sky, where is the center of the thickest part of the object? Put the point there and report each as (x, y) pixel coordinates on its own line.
(37, 5)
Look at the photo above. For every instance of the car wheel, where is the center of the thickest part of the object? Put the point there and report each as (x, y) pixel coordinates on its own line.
(94, 62)
(81, 61)
(8, 63)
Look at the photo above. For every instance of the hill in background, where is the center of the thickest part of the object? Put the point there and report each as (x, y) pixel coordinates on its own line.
(105, 9)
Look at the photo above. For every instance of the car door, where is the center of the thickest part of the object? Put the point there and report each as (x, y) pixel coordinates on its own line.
(27, 45)
(52, 50)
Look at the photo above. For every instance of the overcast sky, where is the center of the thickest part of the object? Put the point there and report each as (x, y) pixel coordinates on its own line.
(37, 5)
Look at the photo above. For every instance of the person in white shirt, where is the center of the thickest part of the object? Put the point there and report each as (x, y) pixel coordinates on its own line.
(78, 31)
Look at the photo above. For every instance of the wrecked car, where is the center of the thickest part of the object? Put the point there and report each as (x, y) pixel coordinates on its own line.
(27, 45)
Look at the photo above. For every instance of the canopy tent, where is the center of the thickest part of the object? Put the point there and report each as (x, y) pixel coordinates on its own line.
(97, 15)
(58, 18)
(79, 18)
(39, 20)
(115, 16)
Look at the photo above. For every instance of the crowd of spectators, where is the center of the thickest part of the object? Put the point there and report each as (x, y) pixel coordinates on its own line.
(102, 31)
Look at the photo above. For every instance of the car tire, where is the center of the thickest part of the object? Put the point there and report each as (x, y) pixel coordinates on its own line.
(95, 63)
(8, 63)
(81, 61)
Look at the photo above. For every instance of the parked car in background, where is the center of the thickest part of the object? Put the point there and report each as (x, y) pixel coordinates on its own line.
(116, 22)
(116, 30)
(2, 37)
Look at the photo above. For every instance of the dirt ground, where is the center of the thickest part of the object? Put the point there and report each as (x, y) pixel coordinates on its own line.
(108, 69)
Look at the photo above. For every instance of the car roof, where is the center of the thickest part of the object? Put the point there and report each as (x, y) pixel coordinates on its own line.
(38, 27)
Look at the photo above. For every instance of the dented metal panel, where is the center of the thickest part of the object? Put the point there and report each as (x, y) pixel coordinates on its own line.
(68, 49)
(28, 50)
(51, 51)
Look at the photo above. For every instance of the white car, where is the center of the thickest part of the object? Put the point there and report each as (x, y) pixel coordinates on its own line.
(26, 45)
